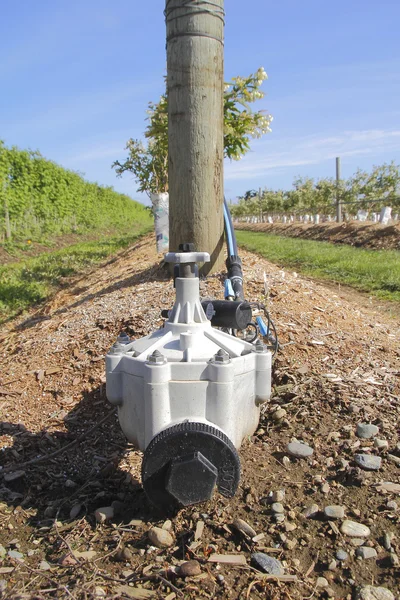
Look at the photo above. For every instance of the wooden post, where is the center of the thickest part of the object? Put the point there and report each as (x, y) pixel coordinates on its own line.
(195, 83)
(338, 205)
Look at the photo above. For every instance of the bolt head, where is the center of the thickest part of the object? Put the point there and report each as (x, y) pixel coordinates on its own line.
(222, 357)
(123, 338)
(156, 358)
(191, 479)
(186, 247)
(259, 346)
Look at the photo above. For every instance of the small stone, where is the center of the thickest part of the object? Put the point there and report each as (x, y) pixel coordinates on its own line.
(334, 512)
(278, 496)
(392, 505)
(267, 564)
(167, 525)
(381, 444)
(311, 511)
(99, 592)
(357, 542)
(44, 566)
(353, 529)
(279, 518)
(290, 527)
(70, 484)
(106, 513)
(191, 568)
(341, 555)
(366, 431)
(15, 554)
(394, 459)
(299, 450)
(369, 462)
(388, 538)
(370, 592)
(160, 537)
(394, 559)
(277, 508)
(3, 551)
(244, 528)
(290, 544)
(325, 488)
(279, 415)
(365, 552)
(220, 578)
(321, 582)
(124, 555)
(67, 560)
(9, 477)
(286, 461)
(75, 510)
(332, 565)
(86, 554)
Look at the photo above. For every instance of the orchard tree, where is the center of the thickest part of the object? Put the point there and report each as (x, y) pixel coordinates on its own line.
(149, 163)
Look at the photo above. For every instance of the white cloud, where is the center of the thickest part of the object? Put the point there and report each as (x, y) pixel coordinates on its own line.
(277, 155)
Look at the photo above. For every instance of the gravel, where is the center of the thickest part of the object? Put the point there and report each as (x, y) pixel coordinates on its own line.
(353, 529)
(160, 537)
(334, 512)
(267, 564)
(368, 462)
(366, 431)
(370, 592)
(299, 450)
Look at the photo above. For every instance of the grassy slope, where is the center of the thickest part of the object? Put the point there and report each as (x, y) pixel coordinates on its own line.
(31, 281)
(373, 271)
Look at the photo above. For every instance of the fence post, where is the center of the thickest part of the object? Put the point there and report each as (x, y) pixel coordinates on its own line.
(338, 205)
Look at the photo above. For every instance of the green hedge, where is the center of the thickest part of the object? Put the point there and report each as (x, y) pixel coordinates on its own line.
(40, 198)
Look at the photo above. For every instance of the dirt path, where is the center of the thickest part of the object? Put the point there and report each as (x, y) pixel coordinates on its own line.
(339, 366)
(355, 233)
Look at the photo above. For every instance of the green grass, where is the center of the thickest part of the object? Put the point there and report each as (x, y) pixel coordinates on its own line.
(376, 272)
(26, 283)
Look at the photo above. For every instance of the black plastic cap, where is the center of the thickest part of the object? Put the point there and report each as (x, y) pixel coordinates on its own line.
(183, 464)
(186, 247)
(191, 479)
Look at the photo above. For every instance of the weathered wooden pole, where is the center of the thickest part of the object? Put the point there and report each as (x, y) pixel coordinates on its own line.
(195, 82)
(338, 204)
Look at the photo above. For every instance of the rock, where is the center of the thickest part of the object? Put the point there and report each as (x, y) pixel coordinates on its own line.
(299, 450)
(244, 528)
(279, 415)
(357, 542)
(366, 552)
(9, 477)
(290, 544)
(341, 555)
(106, 513)
(99, 592)
(321, 582)
(325, 488)
(334, 512)
(167, 525)
(75, 510)
(277, 508)
(124, 555)
(286, 461)
(290, 527)
(3, 551)
(332, 565)
(388, 538)
(353, 529)
(67, 560)
(392, 505)
(279, 518)
(381, 444)
(86, 554)
(278, 496)
(267, 564)
(311, 511)
(394, 459)
(44, 566)
(369, 462)
(70, 484)
(370, 592)
(160, 537)
(15, 554)
(366, 431)
(191, 568)
(394, 559)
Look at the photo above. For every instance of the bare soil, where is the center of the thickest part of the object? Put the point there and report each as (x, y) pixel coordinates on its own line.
(354, 233)
(339, 365)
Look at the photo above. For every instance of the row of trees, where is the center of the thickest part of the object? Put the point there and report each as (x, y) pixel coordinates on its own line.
(364, 190)
(38, 197)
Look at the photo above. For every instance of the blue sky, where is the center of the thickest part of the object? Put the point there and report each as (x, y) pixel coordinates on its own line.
(76, 77)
